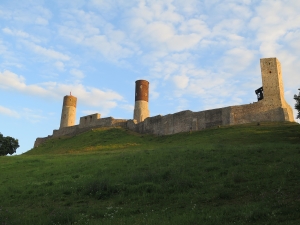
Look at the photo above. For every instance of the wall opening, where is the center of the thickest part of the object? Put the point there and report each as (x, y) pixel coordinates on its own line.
(260, 93)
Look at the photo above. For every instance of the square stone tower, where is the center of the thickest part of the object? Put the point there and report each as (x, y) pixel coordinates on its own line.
(273, 86)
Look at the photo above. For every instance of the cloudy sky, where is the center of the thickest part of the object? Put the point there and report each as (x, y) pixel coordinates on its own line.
(196, 54)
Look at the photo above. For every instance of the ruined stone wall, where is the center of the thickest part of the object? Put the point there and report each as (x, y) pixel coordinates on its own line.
(181, 122)
(184, 121)
(96, 123)
(192, 121)
(40, 141)
(65, 131)
(78, 129)
(257, 112)
(89, 120)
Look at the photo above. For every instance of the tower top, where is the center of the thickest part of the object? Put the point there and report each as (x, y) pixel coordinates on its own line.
(142, 90)
(70, 100)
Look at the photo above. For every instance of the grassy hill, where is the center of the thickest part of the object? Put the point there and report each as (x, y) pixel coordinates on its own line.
(244, 174)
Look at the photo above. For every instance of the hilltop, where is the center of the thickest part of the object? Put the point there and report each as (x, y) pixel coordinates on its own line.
(244, 174)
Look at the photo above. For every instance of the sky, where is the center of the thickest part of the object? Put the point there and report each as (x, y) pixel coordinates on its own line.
(196, 54)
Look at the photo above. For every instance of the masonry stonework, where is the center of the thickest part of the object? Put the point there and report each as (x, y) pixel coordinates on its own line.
(272, 107)
(68, 114)
(141, 108)
(273, 86)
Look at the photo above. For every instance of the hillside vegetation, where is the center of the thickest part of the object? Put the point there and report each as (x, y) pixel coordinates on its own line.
(245, 174)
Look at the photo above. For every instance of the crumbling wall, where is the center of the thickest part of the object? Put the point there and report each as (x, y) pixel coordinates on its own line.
(65, 131)
(89, 120)
(94, 120)
(40, 141)
(81, 128)
(183, 121)
(258, 112)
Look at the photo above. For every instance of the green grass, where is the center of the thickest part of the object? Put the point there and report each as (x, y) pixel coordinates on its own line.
(244, 174)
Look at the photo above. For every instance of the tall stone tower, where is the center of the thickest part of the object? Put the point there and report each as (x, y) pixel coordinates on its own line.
(68, 114)
(273, 86)
(141, 110)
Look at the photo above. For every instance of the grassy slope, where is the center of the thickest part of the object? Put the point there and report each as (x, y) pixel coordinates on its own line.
(244, 174)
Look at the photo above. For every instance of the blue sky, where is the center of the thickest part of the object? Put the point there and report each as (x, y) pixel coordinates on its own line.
(196, 55)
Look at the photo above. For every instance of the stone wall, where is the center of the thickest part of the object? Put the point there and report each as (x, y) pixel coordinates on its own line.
(272, 107)
(89, 120)
(184, 121)
(78, 129)
(192, 121)
(82, 127)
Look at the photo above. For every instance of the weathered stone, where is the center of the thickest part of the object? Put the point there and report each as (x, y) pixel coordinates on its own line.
(68, 114)
(272, 107)
(141, 109)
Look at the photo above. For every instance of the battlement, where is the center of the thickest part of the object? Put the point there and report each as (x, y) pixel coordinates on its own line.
(89, 120)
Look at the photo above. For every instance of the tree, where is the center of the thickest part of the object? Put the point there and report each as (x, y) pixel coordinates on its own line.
(297, 105)
(8, 145)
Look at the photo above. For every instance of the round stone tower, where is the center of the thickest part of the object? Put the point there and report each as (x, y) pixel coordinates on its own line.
(68, 114)
(141, 111)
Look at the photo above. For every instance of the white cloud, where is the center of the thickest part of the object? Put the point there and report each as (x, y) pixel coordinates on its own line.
(9, 112)
(164, 69)
(15, 32)
(237, 59)
(59, 65)
(165, 29)
(29, 114)
(49, 53)
(41, 21)
(181, 81)
(188, 7)
(109, 49)
(183, 42)
(277, 33)
(99, 35)
(207, 86)
(127, 107)
(77, 73)
(89, 96)
(19, 33)
(153, 94)
(32, 115)
(29, 12)
(182, 104)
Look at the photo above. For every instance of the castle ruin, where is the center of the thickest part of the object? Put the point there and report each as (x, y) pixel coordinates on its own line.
(271, 106)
